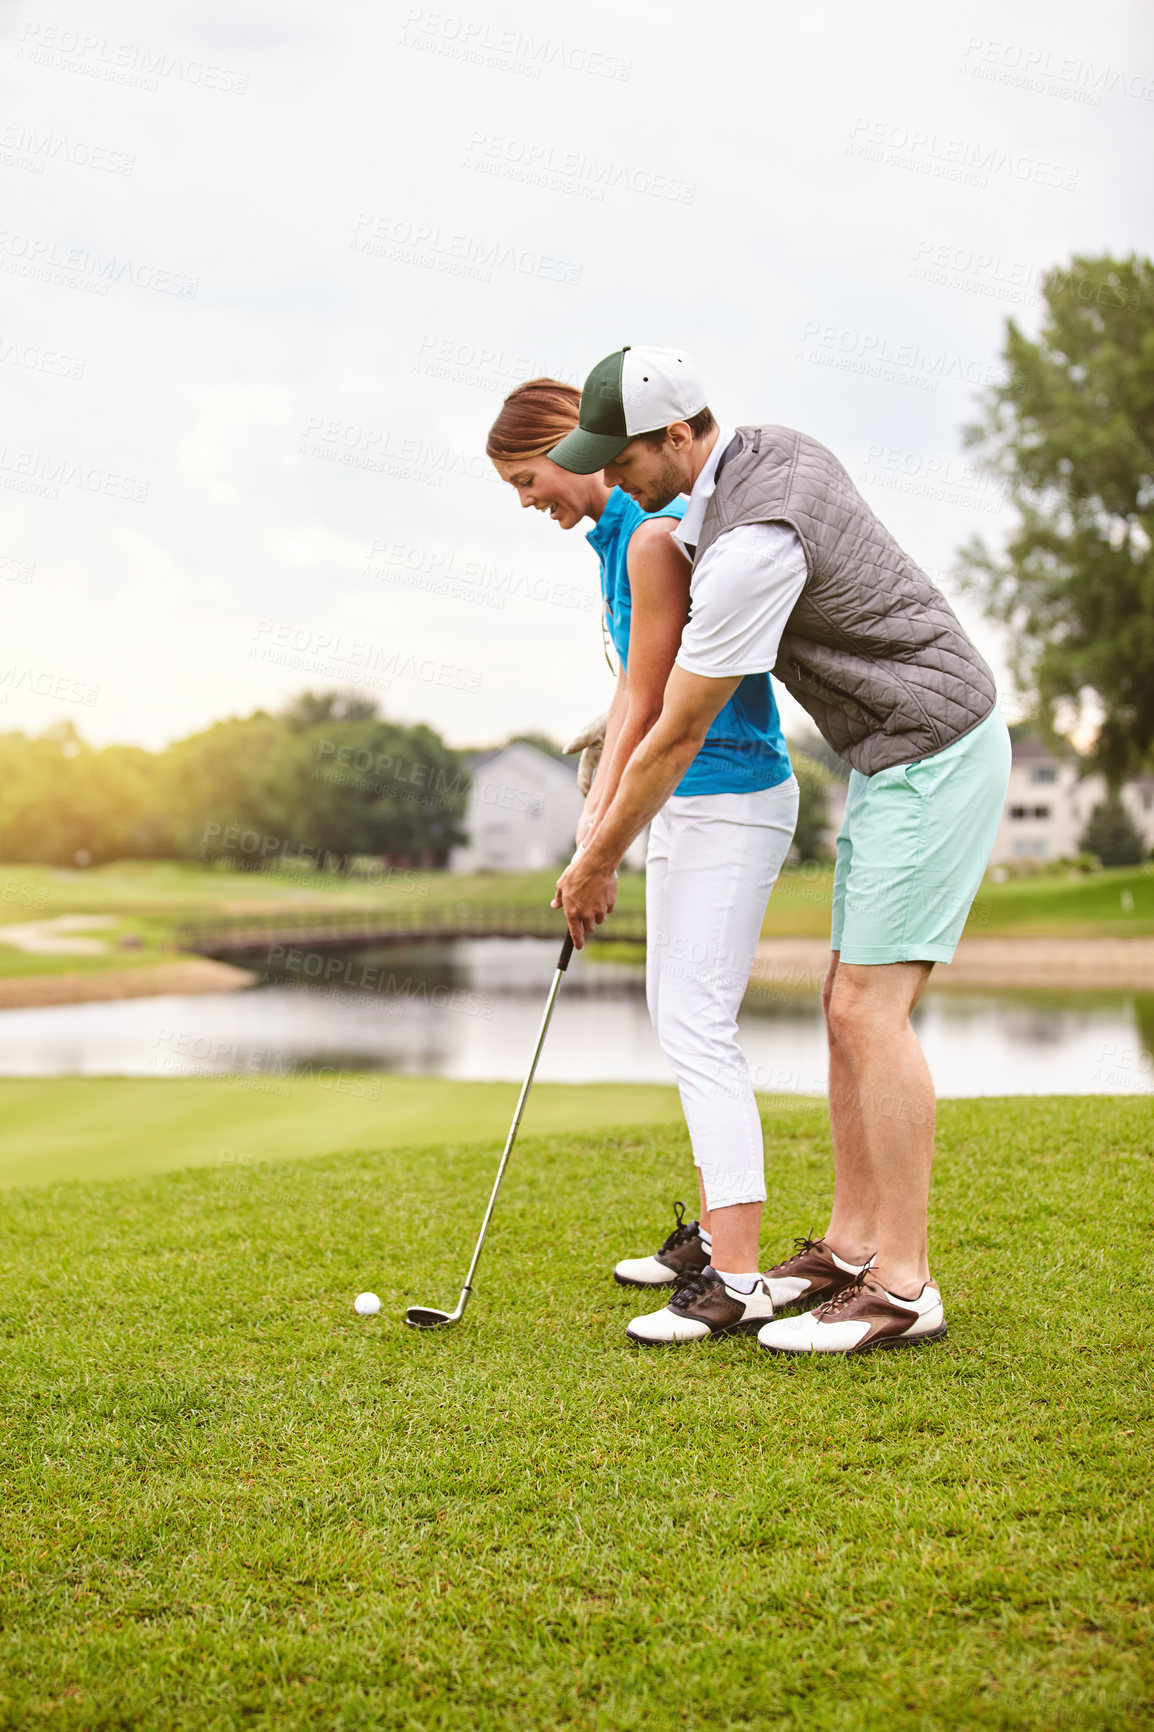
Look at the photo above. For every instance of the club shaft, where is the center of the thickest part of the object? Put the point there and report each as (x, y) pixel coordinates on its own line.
(513, 1128)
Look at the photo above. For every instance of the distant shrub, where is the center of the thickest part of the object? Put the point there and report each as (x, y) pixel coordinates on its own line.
(1113, 836)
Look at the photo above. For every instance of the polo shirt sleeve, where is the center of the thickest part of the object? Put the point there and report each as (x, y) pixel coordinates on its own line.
(743, 590)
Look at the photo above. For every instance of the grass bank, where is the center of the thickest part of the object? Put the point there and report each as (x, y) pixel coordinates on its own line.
(231, 1503)
(150, 899)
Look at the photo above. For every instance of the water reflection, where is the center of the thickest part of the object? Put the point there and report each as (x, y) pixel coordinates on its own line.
(471, 1010)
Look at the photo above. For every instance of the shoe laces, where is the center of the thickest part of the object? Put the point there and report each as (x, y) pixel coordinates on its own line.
(848, 1294)
(686, 1289)
(682, 1232)
(803, 1245)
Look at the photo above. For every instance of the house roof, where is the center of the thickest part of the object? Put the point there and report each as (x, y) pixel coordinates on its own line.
(1027, 748)
(478, 761)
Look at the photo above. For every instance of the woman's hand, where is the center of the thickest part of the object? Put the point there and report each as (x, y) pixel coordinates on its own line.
(587, 893)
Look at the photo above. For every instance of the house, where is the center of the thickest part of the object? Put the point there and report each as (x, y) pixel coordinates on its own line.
(1048, 804)
(522, 812)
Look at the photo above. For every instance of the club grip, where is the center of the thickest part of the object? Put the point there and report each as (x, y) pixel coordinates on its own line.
(566, 953)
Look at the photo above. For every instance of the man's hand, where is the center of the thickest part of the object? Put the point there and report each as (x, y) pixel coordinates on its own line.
(587, 893)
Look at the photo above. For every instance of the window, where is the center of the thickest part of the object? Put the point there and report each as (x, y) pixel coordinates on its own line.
(1031, 850)
(1041, 811)
(1044, 773)
(1019, 812)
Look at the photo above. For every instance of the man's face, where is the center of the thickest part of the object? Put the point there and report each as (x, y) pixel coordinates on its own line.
(653, 476)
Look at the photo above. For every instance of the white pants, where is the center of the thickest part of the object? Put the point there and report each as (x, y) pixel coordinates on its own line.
(713, 860)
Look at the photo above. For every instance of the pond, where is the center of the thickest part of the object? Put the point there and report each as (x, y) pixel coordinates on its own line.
(472, 1009)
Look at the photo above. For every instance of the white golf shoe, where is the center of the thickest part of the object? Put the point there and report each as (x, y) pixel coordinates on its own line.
(683, 1253)
(703, 1305)
(859, 1318)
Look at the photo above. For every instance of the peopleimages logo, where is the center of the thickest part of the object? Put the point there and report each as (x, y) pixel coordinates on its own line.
(33, 359)
(474, 580)
(924, 151)
(36, 682)
(876, 355)
(39, 474)
(25, 147)
(536, 162)
(1026, 66)
(474, 257)
(481, 43)
(133, 64)
(356, 445)
(321, 652)
(71, 267)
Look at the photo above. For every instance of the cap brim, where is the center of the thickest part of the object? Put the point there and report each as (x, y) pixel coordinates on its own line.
(585, 453)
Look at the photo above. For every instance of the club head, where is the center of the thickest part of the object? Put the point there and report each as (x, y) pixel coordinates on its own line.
(422, 1317)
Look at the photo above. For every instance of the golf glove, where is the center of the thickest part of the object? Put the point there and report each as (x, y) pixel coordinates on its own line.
(588, 742)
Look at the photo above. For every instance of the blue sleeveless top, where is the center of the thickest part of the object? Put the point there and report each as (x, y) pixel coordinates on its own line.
(744, 749)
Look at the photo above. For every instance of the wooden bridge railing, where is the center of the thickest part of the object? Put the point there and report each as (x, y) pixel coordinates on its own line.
(231, 935)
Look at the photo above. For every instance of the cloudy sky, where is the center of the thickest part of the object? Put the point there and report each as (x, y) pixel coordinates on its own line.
(269, 271)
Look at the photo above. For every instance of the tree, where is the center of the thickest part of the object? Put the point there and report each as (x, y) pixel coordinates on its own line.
(221, 792)
(310, 709)
(370, 787)
(62, 801)
(1113, 835)
(1070, 434)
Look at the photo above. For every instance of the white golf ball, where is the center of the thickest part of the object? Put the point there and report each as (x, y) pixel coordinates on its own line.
(366, 1304)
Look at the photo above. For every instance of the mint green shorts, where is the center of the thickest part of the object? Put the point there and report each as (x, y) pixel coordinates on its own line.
(914, 844)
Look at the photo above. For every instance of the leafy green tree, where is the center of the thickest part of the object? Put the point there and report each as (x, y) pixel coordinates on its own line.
(62, 801)
(1070, 434)
(311, 709)
(1112, 835)
(220, 789)
(253, 791)
(371, 787)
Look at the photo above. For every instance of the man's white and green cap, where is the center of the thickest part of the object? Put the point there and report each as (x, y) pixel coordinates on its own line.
(631, 391)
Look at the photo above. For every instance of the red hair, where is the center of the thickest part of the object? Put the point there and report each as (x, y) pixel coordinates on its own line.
(533, 418)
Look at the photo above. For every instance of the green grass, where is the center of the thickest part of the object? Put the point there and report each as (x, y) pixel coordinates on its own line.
(1073, 907)
(231, 1503)
(116, 1127)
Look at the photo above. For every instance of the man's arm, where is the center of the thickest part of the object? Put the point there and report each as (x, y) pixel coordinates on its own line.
(744, 588)
(587, 889)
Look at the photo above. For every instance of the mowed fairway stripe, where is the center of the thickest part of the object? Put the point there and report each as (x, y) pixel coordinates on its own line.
(116, 1127)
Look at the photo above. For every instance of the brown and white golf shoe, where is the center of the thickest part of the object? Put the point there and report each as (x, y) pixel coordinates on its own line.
(862, 1316)
(813, 1274)
(703, 1305)
(683, 1253)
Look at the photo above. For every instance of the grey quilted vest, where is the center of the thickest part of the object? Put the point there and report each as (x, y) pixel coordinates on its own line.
(872, 650)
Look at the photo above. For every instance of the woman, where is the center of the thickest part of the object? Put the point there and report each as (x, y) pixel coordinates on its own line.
(729, 824)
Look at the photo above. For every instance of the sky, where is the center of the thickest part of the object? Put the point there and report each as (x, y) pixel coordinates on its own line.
(268, 274)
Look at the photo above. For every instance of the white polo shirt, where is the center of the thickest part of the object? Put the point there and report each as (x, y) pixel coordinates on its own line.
(743, 588)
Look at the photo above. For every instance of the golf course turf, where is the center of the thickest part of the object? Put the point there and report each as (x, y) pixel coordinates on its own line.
(232, 1503)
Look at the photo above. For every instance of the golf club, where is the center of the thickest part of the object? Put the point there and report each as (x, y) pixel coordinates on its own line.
(424, 1316)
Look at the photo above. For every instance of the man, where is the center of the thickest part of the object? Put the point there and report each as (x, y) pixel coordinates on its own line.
(793, 574)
